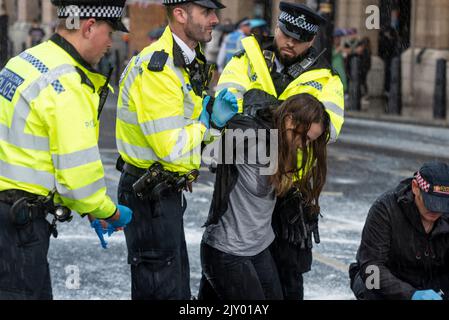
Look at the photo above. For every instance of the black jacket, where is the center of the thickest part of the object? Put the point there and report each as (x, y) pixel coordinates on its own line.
(394, 240)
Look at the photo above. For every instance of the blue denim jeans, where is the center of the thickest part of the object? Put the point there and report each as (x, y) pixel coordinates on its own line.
(157, 250)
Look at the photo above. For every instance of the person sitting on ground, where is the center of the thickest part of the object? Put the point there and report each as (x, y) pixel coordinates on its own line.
(404, 252)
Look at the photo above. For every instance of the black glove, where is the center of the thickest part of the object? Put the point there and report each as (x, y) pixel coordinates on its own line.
(312, 214)
(313, 230)
(288, 222)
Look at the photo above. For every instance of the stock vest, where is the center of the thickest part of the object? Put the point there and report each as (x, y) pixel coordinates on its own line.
(249, 71)
(158, 111)
(49, 128)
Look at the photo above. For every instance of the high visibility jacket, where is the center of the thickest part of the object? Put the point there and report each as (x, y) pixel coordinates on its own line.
(49, 129)
(158, 111)
(250, 71)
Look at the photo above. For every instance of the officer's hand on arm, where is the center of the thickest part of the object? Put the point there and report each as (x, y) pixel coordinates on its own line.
(426, 295)
(225, 107)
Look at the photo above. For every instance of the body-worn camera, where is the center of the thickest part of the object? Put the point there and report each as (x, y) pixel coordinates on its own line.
(157, 180)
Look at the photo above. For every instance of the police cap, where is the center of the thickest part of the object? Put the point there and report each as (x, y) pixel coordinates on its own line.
(211, 4)
(433, 180)
(299, 21)
(108, 10)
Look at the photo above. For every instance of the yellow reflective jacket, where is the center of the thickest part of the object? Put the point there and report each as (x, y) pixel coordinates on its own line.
(49, 129)
(249, 70)
(158, 111)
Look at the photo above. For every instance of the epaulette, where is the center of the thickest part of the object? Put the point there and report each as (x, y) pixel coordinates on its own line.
(240, 53)
(158, 61)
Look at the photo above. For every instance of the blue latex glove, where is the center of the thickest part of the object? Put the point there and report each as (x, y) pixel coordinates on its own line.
(205, 116)
(126, 215)
(96, 224)
(225, 107)
(426, 295)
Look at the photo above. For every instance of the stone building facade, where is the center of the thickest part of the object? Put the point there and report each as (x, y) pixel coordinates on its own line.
(424, 31)
(424, 37)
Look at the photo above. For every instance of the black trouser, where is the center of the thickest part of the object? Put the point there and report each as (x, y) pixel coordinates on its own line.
(157, 250)
(24, 271)
(229, 277)
(291, 262)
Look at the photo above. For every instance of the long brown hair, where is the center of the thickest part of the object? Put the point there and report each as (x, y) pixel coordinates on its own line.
(310, 177)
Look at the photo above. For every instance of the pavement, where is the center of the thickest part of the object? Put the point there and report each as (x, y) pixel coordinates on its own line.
(374, 108)
(431, 143)
(379, 152)
(413, 132)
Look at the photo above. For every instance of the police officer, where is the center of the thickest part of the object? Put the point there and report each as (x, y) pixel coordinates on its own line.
(50, 97)
(268, 74)
(161, 123)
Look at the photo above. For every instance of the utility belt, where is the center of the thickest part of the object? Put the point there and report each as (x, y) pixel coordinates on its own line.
(153, 182)
(26, 207)
(11, 196)
(134, 171)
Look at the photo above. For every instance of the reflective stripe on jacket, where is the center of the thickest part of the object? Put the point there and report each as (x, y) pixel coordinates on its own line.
(157, 114)
(49, 129)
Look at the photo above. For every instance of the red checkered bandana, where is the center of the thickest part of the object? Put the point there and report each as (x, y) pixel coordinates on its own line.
(423, 184)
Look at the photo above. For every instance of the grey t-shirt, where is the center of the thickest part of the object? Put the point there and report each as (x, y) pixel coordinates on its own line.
(245, 228)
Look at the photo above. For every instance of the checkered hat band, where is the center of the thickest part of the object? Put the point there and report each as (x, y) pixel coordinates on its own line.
(423, 184)
(90, 12)
(299, 22)
(173, 1)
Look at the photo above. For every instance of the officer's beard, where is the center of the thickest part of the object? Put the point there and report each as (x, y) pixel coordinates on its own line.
(198, 32)
(285, 61)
